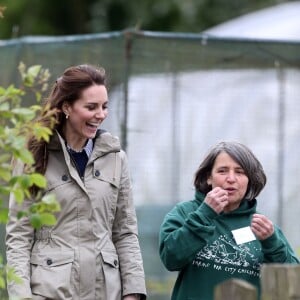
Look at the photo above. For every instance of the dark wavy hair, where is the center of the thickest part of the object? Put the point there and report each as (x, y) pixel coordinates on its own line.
(67, 88)
(240, 154)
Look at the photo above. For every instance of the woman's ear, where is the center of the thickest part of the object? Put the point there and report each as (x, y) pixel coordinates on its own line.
(208, 180)
(65, 108)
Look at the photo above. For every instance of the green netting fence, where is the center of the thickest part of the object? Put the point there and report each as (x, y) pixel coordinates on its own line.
(172, 96)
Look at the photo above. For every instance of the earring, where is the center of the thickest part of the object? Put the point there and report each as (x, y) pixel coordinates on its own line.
(67, 116)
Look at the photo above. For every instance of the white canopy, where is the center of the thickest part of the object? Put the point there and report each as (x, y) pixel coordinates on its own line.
(279, 22)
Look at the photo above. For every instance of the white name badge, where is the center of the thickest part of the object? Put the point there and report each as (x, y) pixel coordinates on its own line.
(243, 235)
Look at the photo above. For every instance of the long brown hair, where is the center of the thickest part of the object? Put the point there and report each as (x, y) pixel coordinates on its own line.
(67, 88)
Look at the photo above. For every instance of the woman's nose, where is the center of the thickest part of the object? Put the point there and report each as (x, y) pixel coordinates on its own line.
(231, 176)
(100, 114)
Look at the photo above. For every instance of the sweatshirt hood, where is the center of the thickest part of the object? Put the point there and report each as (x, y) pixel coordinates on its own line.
(246, 206)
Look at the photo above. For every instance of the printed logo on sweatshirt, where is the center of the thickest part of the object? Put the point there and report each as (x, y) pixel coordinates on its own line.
(225, 255)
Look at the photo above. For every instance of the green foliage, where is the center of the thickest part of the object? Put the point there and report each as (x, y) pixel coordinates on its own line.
(17, 124)
(57, 18)
(41, 213)
(35, 78)
(2, 9)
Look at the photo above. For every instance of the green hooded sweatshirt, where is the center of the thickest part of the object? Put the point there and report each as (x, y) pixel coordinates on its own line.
(199, 243)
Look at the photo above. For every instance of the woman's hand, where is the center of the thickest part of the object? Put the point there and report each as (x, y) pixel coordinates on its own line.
(217, 199)
(261, 226)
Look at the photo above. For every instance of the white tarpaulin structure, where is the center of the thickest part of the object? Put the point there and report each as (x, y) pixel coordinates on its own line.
(279, 22)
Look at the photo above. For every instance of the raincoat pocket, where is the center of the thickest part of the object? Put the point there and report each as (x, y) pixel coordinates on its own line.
(51, 274)
(112, 278)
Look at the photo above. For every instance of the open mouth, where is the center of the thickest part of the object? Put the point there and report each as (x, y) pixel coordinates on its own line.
(93, 125)
(230, 190)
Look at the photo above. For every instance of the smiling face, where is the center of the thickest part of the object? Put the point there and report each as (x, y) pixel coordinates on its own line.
(85, 116)
(230, 176)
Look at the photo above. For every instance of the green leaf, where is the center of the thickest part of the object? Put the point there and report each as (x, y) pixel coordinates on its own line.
(2, 282)
(6, 114)
(42, 132)
(5, 174)
(26, 113)
(49, 199)
(35, 108)
(21, 214)
(13, 180)
(30, 77)
(3, 215)
(35, 208)
(12, 276)
(35, 220)
(38, 96)
(34, 70)
(25, 156)
(16, 142)
(4, 106)
(2, 90)
(48, 219)
(25, 181)
(39, 180)
(51, 202)
(4, 190)
(19, 195)
(4, 158)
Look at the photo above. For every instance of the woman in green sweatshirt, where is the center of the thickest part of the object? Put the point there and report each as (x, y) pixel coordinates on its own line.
(219, 235)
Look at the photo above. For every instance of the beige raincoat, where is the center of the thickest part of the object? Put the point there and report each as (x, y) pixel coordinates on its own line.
(92, 253)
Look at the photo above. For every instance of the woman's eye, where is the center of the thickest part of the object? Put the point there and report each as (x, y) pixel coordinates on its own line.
(91, 107)
(240, 171)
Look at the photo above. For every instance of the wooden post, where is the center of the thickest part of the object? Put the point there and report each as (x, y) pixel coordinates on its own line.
(280, 282)
(235, 289)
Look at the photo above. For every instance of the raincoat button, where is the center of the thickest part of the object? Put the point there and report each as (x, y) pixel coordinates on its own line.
(49, 261)
(115, 262)
(64, 177)
(97, 173)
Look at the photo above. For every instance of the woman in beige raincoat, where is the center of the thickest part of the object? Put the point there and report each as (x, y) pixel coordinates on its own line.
(92, 253)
